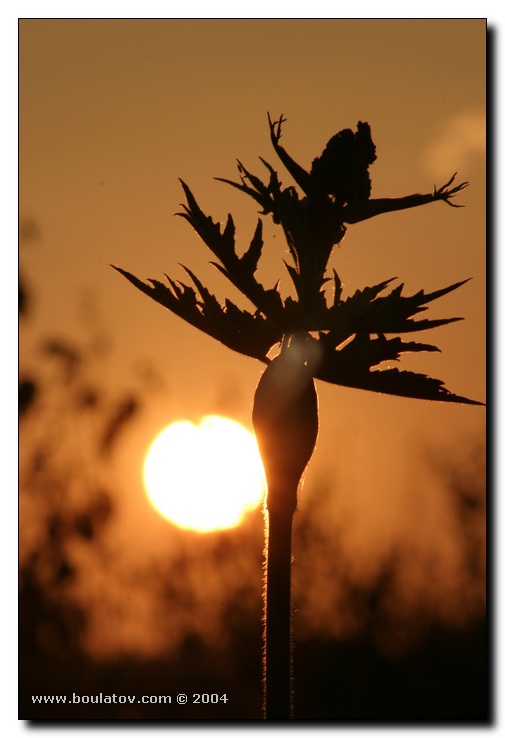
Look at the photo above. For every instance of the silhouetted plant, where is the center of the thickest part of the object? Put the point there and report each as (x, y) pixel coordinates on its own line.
(342, 341)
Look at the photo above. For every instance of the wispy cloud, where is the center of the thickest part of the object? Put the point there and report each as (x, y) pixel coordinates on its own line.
(456, 144)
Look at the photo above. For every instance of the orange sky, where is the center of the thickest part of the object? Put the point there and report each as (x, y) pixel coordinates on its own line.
(112, 112)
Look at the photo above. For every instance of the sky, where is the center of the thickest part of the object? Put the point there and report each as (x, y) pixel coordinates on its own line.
(113, 112)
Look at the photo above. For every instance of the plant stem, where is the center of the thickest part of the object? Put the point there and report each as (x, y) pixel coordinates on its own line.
(285, 420)
(277, 638)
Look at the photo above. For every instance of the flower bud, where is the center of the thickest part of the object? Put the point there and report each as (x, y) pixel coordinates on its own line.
(285, 420)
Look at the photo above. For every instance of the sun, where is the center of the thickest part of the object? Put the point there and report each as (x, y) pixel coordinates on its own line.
(204, 477)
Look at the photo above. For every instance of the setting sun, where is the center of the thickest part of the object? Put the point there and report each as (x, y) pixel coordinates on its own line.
(204, 477)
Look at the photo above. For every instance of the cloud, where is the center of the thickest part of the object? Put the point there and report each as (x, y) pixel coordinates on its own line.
(457, 144)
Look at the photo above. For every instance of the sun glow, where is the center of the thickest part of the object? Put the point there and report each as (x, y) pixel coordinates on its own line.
(204, 477)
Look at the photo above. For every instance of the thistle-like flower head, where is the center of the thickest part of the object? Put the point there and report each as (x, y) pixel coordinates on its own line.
(353, 336)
